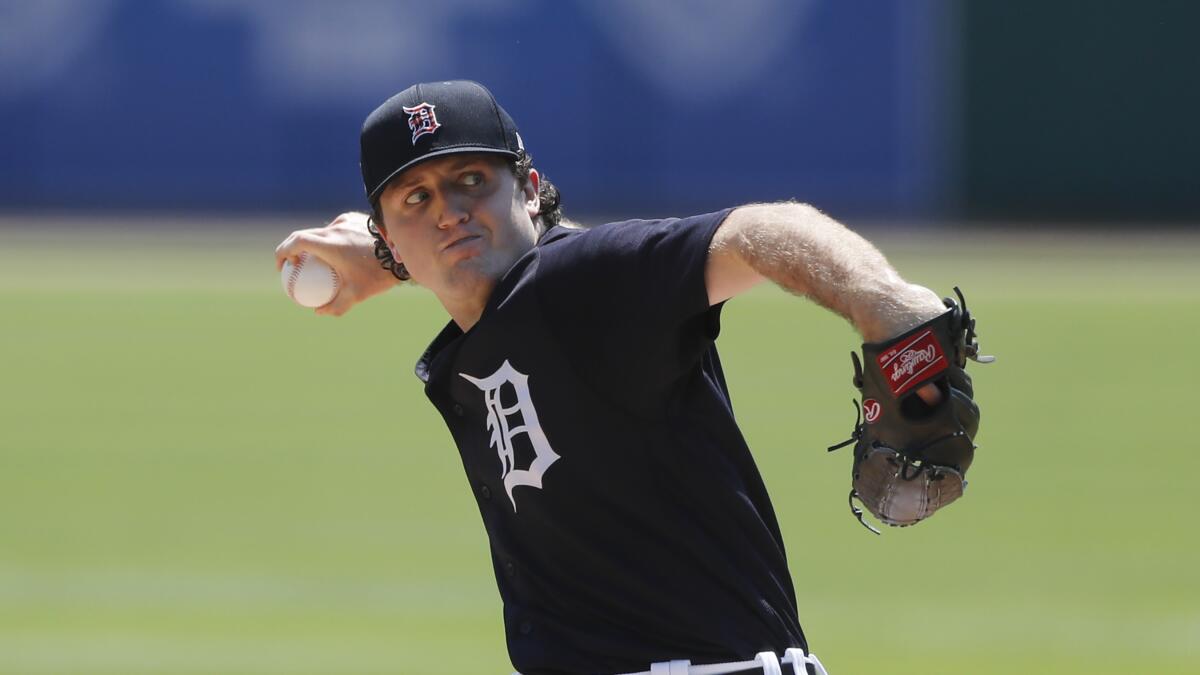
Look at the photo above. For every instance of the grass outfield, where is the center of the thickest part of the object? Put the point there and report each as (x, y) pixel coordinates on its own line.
(197, 476)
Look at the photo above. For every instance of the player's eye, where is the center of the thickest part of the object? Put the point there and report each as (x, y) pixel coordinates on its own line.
(416, 197)
(472, 179)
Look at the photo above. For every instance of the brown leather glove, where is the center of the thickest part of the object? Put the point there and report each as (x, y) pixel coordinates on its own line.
(910, 458)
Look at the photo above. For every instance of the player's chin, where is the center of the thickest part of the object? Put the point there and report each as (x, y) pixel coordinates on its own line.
(477, 258)
(471, 272)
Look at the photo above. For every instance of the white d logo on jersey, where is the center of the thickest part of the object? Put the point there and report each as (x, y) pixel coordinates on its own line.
(503, 429)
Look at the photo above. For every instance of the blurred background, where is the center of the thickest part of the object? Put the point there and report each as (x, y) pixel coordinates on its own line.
(1070, 109)
(198, 477)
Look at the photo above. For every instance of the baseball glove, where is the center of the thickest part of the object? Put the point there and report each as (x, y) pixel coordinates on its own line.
(910, 458)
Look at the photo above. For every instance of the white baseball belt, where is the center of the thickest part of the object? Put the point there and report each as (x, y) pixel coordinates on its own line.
(766, 663)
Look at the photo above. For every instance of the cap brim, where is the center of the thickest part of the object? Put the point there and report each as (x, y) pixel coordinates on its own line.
(374, 196)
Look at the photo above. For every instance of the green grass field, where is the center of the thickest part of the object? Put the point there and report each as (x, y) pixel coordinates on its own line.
(197, 476)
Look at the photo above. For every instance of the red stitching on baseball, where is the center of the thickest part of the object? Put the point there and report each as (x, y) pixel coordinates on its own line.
(295, 275)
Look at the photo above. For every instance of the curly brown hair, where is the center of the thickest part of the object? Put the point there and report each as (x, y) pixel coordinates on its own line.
(549, 215)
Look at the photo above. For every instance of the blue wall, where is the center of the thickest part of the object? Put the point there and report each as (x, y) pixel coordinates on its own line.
(628, 105)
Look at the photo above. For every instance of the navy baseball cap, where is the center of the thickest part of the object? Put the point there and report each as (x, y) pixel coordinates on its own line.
(430, 120)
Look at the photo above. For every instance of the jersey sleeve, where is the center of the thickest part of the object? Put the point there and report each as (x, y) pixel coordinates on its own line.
(630, 299)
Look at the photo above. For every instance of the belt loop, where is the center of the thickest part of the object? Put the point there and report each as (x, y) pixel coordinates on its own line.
(769, 663)
(799, 662)
(676, 667)
(795, 657)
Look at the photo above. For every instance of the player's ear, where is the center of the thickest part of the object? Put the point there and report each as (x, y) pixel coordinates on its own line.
(530, 191)
(378, 223)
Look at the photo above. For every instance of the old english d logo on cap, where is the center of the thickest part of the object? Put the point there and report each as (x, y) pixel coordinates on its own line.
(422, 120)
(430, 120)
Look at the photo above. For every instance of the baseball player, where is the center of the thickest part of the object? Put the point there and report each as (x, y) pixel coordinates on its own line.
(630, 530)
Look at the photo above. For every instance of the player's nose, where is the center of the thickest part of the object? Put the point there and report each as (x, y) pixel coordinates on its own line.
(454, 210)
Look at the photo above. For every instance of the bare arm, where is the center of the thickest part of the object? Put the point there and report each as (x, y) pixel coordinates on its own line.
(807, 253)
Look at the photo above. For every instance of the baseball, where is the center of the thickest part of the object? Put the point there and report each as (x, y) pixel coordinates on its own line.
(310, 282)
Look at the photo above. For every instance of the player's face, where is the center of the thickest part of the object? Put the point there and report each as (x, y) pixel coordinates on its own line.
(459, 222)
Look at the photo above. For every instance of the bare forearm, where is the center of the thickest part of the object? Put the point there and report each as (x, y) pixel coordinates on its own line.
(807, 253)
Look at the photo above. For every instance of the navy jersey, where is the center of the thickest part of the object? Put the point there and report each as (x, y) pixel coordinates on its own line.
(627, 521)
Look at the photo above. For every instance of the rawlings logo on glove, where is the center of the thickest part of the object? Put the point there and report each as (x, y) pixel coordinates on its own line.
(910, 458)
(919, 358)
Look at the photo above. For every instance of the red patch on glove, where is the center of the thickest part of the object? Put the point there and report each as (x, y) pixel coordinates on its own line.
(915, 360)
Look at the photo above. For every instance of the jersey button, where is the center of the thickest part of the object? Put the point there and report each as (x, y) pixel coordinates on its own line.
(510, 569)
(526, 628)
(485, 492)
(458, 409)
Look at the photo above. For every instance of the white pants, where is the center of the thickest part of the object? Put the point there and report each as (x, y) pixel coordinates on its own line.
(768, 662)
(794, 659)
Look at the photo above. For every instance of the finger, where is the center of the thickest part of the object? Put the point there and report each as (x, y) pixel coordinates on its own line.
(930, 394)
(300, 241)
(280, 256)
(289, 249)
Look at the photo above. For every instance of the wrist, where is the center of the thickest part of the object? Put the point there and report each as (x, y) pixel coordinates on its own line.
(898, 309)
